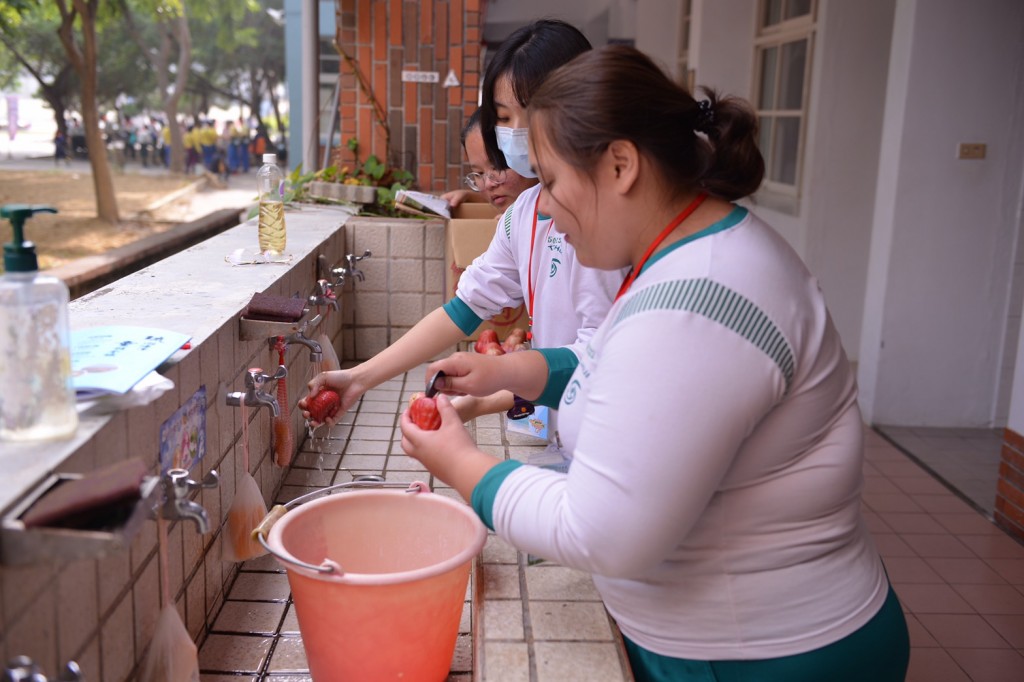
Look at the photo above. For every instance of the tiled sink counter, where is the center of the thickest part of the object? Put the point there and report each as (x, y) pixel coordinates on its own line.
(520, 622)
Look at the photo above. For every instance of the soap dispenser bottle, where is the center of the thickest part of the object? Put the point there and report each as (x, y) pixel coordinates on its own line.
(37, 398)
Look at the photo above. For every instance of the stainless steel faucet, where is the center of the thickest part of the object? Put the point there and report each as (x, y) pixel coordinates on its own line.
(351, 259)
(323, 295)
(315, 352)
(177, 487)
(255, 395)
(24, 669)
(350, 270)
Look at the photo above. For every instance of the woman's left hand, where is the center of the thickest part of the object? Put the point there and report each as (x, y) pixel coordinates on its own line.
(449, 452)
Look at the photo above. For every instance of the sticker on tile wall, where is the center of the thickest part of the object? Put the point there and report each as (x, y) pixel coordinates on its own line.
(183, 435)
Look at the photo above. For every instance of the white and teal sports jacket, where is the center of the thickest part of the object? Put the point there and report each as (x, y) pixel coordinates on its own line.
(715, 487)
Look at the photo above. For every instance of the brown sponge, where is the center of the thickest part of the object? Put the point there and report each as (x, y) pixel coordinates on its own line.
(272, 308)
(80, 502)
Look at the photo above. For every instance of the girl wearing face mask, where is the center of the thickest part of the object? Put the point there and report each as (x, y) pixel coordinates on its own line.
(527, 261)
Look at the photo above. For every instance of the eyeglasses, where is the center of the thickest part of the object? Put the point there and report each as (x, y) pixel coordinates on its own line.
(475, 181)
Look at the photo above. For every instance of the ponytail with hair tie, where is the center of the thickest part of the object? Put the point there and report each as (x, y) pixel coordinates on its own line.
(705, 122)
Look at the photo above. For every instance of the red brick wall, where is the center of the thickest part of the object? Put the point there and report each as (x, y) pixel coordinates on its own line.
(1009, 511)
(412, 125)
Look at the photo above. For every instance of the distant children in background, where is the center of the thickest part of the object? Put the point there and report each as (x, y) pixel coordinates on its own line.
(60, 149)
(238, 147)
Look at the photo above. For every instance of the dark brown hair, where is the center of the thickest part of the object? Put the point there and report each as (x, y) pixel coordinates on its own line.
(527, 57)
(618, 93)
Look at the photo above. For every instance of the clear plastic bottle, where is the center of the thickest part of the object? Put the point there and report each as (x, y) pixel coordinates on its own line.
(270, 184)
(37, 398)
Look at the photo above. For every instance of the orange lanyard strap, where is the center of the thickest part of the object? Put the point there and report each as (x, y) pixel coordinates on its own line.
(683, 215)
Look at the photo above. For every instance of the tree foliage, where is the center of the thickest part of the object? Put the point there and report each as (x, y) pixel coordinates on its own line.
(177, 56)
(30, 48)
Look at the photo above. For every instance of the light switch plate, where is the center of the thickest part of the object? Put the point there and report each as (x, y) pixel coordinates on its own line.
(971, 150)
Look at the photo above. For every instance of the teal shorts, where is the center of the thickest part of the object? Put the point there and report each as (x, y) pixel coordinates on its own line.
(879, 651)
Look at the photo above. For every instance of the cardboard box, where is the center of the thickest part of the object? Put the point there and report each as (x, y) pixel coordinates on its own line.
(465, 239)
(470, 210)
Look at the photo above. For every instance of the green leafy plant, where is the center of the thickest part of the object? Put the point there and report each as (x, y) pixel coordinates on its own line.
(369, 172)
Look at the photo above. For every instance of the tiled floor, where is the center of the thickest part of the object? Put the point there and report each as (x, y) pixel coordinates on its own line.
(961, 579)
(967, 460)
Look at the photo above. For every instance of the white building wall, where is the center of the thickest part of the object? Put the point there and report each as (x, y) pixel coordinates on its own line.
(657, 32)
(953, 224)
(847, 96)
(599, 20)
(830, 225)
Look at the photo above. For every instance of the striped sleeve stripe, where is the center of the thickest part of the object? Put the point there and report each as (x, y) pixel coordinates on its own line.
(507, 222)
(719, 304)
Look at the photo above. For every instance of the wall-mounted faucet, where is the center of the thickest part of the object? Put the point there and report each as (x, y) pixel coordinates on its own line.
(255, 394)
(323, 295)
(24, 669)
(349, 270)
(177, 487)
(315, 351)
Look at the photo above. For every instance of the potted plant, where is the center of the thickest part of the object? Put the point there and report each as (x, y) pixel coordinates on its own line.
(369, 182)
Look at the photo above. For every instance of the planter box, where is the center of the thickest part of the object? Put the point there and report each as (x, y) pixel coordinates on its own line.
(360, 194)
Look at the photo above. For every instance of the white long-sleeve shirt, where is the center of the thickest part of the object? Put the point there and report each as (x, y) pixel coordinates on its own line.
(717, 453)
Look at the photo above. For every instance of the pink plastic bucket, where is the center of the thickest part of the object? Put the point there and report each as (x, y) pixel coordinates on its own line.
(392, 611)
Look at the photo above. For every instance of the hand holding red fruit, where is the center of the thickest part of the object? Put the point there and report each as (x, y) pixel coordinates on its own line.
(323, 405)
(424, 414)
(449, 452)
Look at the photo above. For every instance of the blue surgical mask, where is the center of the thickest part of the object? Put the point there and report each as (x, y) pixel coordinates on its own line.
(514, 145)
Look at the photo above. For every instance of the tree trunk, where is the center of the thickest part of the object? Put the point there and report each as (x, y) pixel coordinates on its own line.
(184, 38)
(280, 121)
(84, 62)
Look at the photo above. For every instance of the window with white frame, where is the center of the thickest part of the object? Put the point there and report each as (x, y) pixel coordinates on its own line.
(783, 48)
(330, 66)
(683, 62)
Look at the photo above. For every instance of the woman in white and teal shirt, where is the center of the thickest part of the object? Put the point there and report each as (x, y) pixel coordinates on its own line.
(717, 444)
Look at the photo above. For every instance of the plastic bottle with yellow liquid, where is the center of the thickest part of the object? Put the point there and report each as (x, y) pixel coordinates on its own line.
(270, 184)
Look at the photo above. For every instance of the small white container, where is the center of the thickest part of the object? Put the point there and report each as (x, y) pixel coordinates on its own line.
(38, 398)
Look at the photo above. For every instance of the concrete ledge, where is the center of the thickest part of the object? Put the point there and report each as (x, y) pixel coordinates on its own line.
(88, 274)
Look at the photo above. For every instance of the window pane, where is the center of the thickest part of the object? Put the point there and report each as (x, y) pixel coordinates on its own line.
(769, 65)
(784, 151)
(326, 106)
(330, 60)
(772, 12)
(797, 8)
(764, 138)
(791, 86)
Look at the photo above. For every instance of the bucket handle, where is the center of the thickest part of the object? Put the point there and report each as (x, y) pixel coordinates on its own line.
(261, 531)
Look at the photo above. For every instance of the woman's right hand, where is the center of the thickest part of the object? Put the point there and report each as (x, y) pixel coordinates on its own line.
(472, 374)
(341, 380)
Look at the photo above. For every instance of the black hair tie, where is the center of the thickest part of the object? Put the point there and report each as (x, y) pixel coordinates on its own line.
(705, 117)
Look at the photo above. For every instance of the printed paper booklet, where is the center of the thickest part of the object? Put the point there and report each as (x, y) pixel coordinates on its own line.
(421, 203)
(112, 359)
